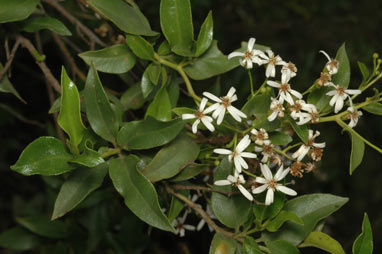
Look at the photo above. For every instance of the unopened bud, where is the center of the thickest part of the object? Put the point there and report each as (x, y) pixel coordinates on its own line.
(375, 55)
(216, 163)
(379, 61)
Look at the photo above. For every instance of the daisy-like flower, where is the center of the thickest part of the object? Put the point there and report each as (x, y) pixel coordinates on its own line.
(332, 64)
(339, 96)
(353, 116)
(270, 183)
(277, 110)
(259, 136)
(236, 180)
(305, 148)
(237, 154)
(266, 150)
(299, 105)
(271, 60)
(250, 56)
(180, 227)
(288, 71)
(222, 104)
(285, 92)
(324, 79)
(200, 116)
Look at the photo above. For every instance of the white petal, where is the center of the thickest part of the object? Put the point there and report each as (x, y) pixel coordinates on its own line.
(212, 97)
(333, 100)
(331, 93)
(188, 116)
(231, 92)
(327, 56)
(200, 225)
(232, 178)
(295, 93)
(339, 105)
(222, 151)
(283, 174)
(269, 197)
(289, 98)
(222, 182)
(208, 124)
(353, 91)
(235, 54)
(243, 144)
(272, 116)
(251, 42)
(319, 145)
(260, 179)
(236, 161)
(203, 104)
(248, 155)
(273, 84)
(266, 171)
(221, 116)
(217, 111)
(279, 172)
(242, 162)
(260, 189)
(245, 192)
(234, 111)
(195, 126)
(286, 190)
(211, 108)
(268, 71)
(189, 227)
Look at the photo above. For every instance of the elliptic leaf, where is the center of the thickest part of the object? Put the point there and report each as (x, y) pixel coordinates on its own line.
(342, 78)
(263, 212)
(139, 194)
(323, 241)
(282, 217)
(18, 238)
(301, 130)
(357, 151)
(133, 97)
(364, 242)
(365, 73)
(374, 108)
(250, 246)
(282, 247)
(205, 35)
(89, 158)
(39, 23)
(45, 156)
(141, 48)
(160, 107)
(223, 245)
(280, 138)
(16, 9)
(189, 172)
(43, 226)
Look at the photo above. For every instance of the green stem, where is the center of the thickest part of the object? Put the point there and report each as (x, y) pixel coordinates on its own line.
(251, 82)
(345, 126)
(309, 89)
(262, 85)
(291, 147)
(283, 153)
(249, 173)
(368, 85)
(264, 249)
(111, 152)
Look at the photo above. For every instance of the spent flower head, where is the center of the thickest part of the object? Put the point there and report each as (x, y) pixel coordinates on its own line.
(353, 116)
(305, 148)
(332, 64)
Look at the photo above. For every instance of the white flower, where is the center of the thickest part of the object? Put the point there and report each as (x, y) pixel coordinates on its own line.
(237, 154)
(248, 57)
(304, 149)
(200, 116)
(311, 113)
(260, 136)
(331, 65)
(266, 150)
(272, 61)
(202, 222)
(339, 96)
(237, 180)
(353, 116)
(285, 92)
(277, 110)
(222, 104)
(180, 227)
(270, 183)
(324, 79)
(288, 71)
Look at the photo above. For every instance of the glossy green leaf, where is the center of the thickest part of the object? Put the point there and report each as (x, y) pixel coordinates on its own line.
(171, 159)
(176, 24)
(282, 247)
(263, 212)
(324, 242)
(223, 245)
(213, 62)
(183, 110)
(7, 87)
(89, 158)
(164, 48)
(16, 9)
(189, 172)
(36, 24)
(364, 242)
(100, 115)
(146, 85)
(302, 131)
(18, 238)
(311, 209)
(205, 35)
(374, 108)
(43, 226)
(79, 185)
(141, 48)
(70, 115)
(126, 17)
(365, 73)
(148, 133)
(176, 206)
(250, 246)
(357, 151)
(139, 194)
(231, 211)
(160, 107)
(319, 98)
(114, 59)
(281, 218)
(154, 72)
(342, 78)
(132, 98)
(45, 156)
(280, 138)
(173, 92)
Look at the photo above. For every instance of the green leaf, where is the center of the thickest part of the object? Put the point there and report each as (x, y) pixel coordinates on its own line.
(89, 158)
(342, 78)
(114, 59)
(7, 87)
(139, 194)
(263, 212)
(176, 24)
(97, 223)
(101, 116)
(146, 85)
(173, 92)
(36, 24)
(43, 226)
(302, 131)
(171, 159)
(319, 98)
(160, 107)
(141, 48)
(70, 115)
(374, 108)
(205, 35)
(365, 73)
(126, 17)
(282, 247)
(324, 242)
(45, 156)
(282, 217)
(210, 64)
(148, 133)
(231, 211)
(133, 97)
(250, 246)
(189, 172)
(164, 48)
(16, 9)
(222, 245)
(357, 151)
(183, 110)
(154, 71)
(311, 209)
(280, 138)
(79, 185)
(364, 242)
(18, 238)
(176, 206)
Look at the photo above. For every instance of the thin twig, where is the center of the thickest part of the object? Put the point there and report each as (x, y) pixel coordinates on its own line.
(202, 188)
(92, 36)
(10, 58)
